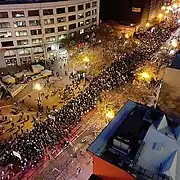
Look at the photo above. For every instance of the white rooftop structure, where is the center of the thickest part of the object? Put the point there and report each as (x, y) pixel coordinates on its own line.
(161, 152)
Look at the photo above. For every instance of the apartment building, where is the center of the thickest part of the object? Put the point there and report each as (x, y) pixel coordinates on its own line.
(33, 31)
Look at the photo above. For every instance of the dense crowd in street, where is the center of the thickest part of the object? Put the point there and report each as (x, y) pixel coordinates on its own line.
(57, 128)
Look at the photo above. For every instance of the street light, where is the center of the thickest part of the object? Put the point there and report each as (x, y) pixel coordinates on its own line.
(110, 114)
(145, 75)
(147, 24)
(86, 59)
(37, 86)
(126, 36)
(160, 16)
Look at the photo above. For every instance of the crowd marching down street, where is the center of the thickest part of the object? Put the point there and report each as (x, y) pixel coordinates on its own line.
(32, 145)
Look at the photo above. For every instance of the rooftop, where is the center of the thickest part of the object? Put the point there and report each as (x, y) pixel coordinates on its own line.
(143, 140)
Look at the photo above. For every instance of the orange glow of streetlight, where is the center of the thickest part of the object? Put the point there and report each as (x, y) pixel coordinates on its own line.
(160, 16)
(126, 36)
(86, 59)
(110, 114)
(147, 24)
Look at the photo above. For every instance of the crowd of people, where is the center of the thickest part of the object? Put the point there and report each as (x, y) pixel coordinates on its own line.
(32, 145)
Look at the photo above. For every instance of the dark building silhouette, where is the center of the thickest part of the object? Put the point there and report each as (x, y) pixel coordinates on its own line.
(128, 12)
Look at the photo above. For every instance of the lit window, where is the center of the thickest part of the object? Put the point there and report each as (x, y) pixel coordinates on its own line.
(36, 32)
(51, 39)
(62, 28)
(11, 62)
(94, 11)
(5, 34)
(88, 13)
(25, 60)
(94, 19)
(80, 23)
(61, 19)
(37, 41)
(80, 15)
(81, 31)
(22, 42)
(88, 21)
(49, 21)
(10, 53)
(34, 23)
(62, 36)
(23, 52)
(21, 33)
(18, 14)
(20, 24)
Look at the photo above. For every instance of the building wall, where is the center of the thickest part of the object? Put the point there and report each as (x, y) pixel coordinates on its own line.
(21, 44)
(108, 171)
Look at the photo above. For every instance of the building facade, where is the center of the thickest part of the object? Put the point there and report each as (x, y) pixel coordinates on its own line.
(33, 31)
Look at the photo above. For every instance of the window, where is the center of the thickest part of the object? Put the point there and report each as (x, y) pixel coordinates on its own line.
(94, 11)
(34, 23)
(62, 28)
(72, 26)
(72, 18)
(88, 21)
(4, 25)
(94, 19)
(61, 19)
(62, 36)
(36, 32)
(21, 33)
(49, 21)
(37, 50)
(88, 5)
(10, 53)
(60, 10)
(11, 62)
(33, 13)
(80, 15)
(3, 14)
(51, 39)
(23, 52)
(81, 31)
(48, 12)
(88, 13)
(18, 14)
(22, 42)
(5, 34)
(80, 23)
(25, 60)
(80, 7)
(71, 9)
(49, 30)
(20, 24)
(94, 4)
(37, 41)
(7, 43)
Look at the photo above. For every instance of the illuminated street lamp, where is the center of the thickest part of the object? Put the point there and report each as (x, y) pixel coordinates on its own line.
(147, 24)
(110, 114)
(86, 59)
(37, 86)
(160, 16)
(145, 75)
(126, 36)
